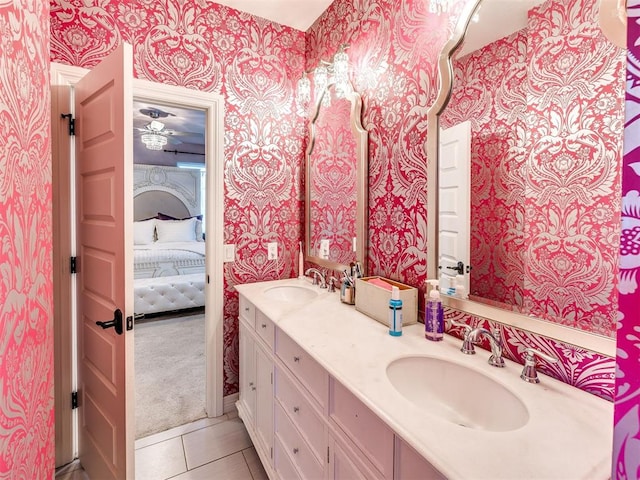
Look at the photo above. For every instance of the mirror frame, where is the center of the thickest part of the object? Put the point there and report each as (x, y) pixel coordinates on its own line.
(597, 343)
(361, 137)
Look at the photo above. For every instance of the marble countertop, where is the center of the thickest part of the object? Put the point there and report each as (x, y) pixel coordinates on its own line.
(568, 436)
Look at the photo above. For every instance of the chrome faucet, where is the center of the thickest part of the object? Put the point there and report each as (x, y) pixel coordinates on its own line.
(467, 344)
(332, 283)
(317, 274)
(494, 341)
(529, 373)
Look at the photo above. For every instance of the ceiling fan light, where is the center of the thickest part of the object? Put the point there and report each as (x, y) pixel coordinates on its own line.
(154, 141)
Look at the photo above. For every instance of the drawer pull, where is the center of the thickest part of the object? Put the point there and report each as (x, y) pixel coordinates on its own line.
(251, 384)
(264, 325)
(253, 389)
(246, 309)
(295, 450)
(296, 359)
(296, 409)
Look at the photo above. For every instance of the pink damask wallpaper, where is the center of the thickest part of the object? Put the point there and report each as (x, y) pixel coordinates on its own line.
(26, 288)
(626, 446)
(573, 163)
(489, 90)
(254, 64)
(393, 47)
(333, 180)
(545, 133)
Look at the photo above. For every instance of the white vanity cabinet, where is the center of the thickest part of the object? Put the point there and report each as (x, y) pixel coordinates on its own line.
(255, 405)
(303, 422)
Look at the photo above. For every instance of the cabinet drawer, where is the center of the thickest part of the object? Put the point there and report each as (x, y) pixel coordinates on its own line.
(308, 372)
(247, 310)
(265, 328)
(299, 452)
(362, 426)
(301, 412)
(283, 465)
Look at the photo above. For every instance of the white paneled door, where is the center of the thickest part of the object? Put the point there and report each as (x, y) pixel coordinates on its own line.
(104, 175)
(454, 203)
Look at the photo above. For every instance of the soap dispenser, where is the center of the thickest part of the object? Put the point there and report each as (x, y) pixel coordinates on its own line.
(434, 315)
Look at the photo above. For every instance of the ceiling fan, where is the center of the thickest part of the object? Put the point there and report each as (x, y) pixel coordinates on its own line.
(155, 134)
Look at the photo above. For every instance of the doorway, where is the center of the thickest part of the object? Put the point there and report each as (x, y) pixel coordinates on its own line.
(169, 218)
(63, 78)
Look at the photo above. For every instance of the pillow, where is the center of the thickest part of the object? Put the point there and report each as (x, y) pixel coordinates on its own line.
(144, 232)
(176, 230)
(199, 235)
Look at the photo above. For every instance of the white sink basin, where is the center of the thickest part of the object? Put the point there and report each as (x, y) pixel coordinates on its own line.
(291, 293)
(457, 393)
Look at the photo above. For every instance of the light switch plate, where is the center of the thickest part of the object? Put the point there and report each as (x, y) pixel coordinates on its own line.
(229, 253)
(272, 251)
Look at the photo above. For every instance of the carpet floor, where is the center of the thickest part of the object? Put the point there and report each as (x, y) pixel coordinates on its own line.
(170, 373)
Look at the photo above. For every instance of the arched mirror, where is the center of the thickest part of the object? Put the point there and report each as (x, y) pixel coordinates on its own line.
(336, 182)
(528, 140)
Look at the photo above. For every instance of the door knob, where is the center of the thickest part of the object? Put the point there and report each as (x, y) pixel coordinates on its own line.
(458, 268)
(116, 322)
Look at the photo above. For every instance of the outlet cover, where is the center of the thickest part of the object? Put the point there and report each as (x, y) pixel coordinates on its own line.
(229, 253)
(272, 251)
(324, 248)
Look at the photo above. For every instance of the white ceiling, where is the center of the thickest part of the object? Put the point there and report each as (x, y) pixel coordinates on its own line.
(299, 14)
(496, 19)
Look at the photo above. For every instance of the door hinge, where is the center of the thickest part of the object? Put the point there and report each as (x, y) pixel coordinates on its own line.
(73, 265)
(271, 378)
(129, 323)
(327, 453)
(271, 452)
(72, 123)
(74, 400)
(208, 279)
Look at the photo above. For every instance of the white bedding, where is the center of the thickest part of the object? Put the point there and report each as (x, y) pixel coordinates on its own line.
(161, 259)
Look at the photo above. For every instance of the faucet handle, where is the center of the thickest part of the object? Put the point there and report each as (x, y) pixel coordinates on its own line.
(529, 373)
(332, 283)
(467, 344)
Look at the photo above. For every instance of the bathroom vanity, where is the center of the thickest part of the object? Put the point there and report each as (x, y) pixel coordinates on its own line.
(326, 392)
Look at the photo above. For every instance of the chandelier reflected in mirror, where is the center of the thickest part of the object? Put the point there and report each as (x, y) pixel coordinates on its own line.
(154, 141)
(153, 138)
(326, 73)
(440, 6)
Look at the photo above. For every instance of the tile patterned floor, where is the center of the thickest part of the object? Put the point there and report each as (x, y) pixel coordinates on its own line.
(202, 450)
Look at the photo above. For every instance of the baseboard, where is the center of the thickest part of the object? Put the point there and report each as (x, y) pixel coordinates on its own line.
(229, 403)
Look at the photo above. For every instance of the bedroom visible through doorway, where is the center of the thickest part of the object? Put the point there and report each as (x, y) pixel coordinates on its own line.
(169, 201)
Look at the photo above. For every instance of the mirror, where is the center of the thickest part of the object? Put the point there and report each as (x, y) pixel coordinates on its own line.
(546, 107)
(336, 181)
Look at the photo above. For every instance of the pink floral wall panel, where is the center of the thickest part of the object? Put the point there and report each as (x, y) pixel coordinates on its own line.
(26, 288)
(546, 111)
(254, 64)
(574, 155)
(489, 90)
(393, 47)
(626, 450)
(333, 181)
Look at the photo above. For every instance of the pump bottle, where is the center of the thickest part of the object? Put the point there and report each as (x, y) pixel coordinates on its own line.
(434, 315)
(395, 313)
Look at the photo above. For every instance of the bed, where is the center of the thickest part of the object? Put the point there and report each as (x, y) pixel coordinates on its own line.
(169, 246)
